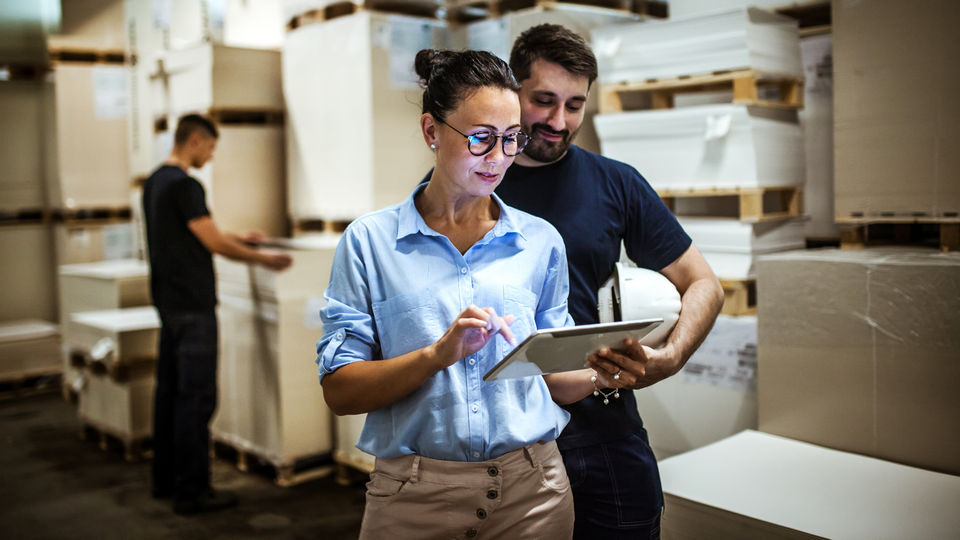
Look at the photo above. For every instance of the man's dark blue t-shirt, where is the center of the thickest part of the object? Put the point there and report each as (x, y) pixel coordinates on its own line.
(595, 202)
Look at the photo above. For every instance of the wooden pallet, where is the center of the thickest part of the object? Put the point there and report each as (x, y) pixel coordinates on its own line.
(943, 235)
(813, 17)
(756, 204)
(92, 214)
(30, 382)
(244, 117)
(306, 226)
(342, 9)
(24, 216)
(132, 448)
(749, 87)
(284, 474)
(89, 56)
(24, 72)
(739, 297)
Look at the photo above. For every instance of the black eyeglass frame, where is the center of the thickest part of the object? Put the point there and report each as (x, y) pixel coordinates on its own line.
(493, 141)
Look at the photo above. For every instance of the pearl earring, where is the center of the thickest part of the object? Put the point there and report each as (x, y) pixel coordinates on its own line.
(433, 146)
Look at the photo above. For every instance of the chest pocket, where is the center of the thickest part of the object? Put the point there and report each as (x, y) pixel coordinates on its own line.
(522, 304)
(407, 322)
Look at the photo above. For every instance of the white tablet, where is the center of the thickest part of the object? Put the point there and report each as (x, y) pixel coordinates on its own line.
(553, 350)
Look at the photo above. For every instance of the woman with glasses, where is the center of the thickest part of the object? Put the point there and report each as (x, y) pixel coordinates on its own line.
(418, 294)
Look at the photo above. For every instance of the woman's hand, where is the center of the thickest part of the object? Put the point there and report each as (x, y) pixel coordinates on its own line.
(470, 332)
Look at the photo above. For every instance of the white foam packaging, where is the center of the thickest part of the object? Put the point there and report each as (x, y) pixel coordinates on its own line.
(347, 160)
(731, 246)
(737, 39)
(117, 337)
(722, 145)
(29, 347)
(756, 485)
(714, 395)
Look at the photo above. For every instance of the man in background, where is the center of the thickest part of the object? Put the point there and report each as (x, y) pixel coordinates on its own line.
(181, 240)
(596, 203)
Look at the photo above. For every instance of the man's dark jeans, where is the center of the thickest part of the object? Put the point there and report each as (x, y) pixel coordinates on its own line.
(184, 402)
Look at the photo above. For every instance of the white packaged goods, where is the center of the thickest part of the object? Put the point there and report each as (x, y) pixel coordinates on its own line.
(116, 337)
(87, 25)
(755, 485)
(28, 348)
(348, 430)
(895, 122)
(816, 118)
(714, 395)
(26, 113)
(27, 273)
(245, 181)
(346, 161)
(122, 408)
(858, 352)
(218, 77)
(744, 38)
(271, 402)
(78, 243)
(236, 23)
(682, 9)
(731, 246)
(91, 131)
(497, 35)
(708, 146)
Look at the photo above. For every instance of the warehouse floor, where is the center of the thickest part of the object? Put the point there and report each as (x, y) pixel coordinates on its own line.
(54, 484)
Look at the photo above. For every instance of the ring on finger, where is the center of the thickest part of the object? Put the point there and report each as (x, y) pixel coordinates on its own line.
(616, 375)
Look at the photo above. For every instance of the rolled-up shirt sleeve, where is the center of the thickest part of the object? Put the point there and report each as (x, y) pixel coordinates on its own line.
(348, 327)
(552, 309)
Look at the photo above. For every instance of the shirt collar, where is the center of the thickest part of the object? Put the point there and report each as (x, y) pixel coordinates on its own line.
(411, 222)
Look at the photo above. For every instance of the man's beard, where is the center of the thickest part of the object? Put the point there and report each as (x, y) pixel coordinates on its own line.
(547, 152)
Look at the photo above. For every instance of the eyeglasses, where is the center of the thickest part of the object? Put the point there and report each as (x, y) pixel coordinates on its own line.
(483, 141)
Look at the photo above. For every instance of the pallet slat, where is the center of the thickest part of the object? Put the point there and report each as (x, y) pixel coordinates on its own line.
(747, 86)
(739, 297)
(284, 474)
(754, 202)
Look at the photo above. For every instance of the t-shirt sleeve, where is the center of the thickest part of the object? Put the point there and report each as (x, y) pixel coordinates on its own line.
(654, 237)
(192, 200)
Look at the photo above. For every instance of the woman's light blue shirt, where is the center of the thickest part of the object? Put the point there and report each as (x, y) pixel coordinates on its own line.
(397, 285)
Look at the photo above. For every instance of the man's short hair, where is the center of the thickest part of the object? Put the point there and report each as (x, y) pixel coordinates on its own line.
(556, 44)
(192, 123)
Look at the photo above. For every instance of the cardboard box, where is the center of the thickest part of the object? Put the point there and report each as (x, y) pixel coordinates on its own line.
(246, 180)
(210, 76)
(83, 243)
(816, 120)
(858, 352)
(896, 120)
(271, 403)
(345, 161)
(87, 25)
(91, 136)
(714, 395)
(27, 273)
(707, 146)
(755, 485)
(25, 113)
(29, 348)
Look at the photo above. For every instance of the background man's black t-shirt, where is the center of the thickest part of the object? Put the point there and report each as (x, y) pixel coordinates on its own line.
(181, 268)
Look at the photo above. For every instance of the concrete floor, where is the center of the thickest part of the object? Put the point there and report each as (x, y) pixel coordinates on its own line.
(54, 484)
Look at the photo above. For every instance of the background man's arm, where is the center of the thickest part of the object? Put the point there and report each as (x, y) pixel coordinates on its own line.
(233, 247)
(701, 300)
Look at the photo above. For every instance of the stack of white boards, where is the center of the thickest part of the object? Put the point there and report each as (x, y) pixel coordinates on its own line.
(29, 348)
(271, 402)
(707, 146)
(116, 386)
(756, 485)
(736, 39)
(731, 246)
